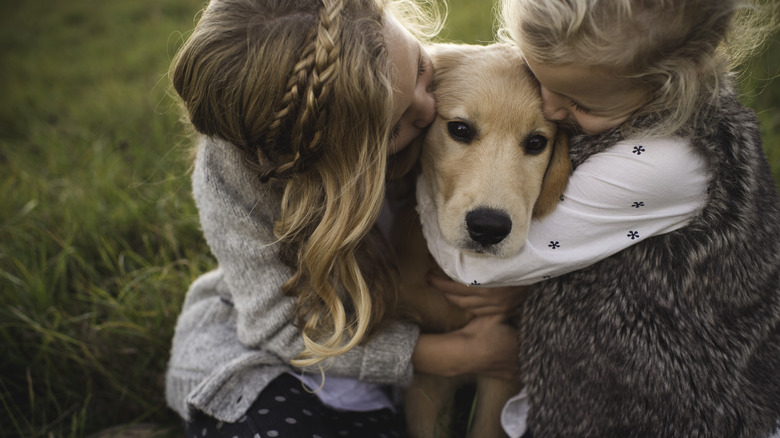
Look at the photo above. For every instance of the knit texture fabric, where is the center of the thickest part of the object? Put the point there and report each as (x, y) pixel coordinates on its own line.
(235, 333)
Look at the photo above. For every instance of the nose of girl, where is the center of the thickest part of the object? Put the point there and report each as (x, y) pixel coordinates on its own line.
(426, 109)
(554, 107)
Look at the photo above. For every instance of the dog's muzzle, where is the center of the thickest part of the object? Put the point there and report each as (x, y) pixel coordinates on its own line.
(488, 226)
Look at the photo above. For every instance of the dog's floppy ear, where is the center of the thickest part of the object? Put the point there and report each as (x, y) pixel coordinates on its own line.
(556, 177)
(446, 56)
(443, 53)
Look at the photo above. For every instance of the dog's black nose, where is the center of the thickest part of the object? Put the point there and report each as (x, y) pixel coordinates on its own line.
(488, 226)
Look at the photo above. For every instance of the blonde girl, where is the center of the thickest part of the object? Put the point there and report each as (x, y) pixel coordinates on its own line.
(298, 104)
(655, 303)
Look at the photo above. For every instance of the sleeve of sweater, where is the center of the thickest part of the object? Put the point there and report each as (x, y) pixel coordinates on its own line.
(237, 214)
(628, 193)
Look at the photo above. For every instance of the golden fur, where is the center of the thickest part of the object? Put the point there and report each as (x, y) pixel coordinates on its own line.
(489, 90)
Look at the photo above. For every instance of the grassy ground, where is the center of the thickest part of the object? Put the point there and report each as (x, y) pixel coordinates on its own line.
(99, 237)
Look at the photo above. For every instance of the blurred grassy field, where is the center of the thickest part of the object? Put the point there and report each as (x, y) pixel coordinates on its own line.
(99, 236)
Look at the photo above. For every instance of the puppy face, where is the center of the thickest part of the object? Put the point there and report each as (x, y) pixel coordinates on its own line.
(490, 159)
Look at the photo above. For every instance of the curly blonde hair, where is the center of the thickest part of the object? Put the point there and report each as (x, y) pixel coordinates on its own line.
(677, 50)
(302, 88)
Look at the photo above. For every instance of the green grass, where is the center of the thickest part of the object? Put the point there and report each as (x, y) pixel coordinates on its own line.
(99, 237)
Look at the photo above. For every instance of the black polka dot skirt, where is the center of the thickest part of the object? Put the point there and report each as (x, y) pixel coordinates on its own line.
(285, 410)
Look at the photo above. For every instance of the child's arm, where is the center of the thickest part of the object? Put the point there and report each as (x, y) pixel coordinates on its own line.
(485, 346)
(238, 225)
(619, 197)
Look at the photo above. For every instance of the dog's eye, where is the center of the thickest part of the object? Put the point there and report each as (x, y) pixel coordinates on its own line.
(460, 131)
(535, 144)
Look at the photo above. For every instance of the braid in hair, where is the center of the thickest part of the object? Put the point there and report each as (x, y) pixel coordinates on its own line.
(289, 105)
(308, 91)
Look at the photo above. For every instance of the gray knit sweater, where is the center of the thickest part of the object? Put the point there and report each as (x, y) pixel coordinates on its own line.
(235, 332)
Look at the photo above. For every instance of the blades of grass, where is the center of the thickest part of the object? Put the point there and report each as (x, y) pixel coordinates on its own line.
(78, 421)
(30, 323)
(472, 411)
(12, 415)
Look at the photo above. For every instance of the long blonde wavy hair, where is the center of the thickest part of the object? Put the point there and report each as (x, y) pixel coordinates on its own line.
(677, 50)
(302, 88)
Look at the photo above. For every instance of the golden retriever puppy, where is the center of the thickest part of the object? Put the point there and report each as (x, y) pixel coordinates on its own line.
(492, 163)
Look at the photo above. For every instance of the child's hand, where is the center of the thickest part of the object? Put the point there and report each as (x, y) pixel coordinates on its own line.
(485, 346)
(480, 301)
(491, 347)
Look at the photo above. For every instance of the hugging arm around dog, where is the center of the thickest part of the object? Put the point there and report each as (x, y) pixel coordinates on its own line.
(631, 192)
(235, 334)
(677, 334)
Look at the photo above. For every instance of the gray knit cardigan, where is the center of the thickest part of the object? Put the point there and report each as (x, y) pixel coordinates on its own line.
(678, 335)
(235, 332)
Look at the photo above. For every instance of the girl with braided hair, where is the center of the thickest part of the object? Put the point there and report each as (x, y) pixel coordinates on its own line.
(299, 106)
